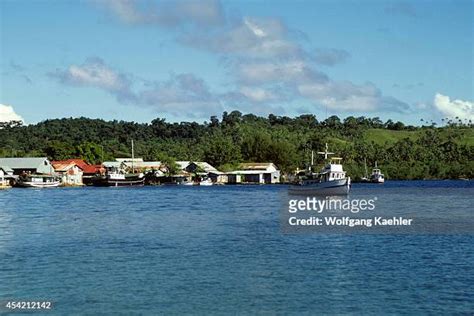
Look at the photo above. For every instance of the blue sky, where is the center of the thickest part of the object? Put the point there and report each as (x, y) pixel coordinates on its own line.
(188, 60)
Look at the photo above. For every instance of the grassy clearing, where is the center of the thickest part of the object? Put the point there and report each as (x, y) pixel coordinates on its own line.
(382, 136)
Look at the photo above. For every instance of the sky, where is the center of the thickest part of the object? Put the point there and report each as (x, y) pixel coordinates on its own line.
(187, 60)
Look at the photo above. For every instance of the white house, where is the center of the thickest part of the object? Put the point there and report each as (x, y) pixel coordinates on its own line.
(255, 172)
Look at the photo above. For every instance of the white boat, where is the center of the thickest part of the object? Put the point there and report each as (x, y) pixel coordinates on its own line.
(377, 176)
(206, 182)
(331, 180)
(117, 176)
(4, 185)
(37, 181)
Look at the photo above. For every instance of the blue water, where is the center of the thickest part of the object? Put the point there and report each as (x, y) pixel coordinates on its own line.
(220, 250)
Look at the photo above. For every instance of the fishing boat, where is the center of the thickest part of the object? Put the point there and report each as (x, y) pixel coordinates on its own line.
(377, 176)
(37, 181)
(118, 176)
(330, 180)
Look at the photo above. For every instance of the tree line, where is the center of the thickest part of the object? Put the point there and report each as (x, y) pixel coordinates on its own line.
(410, 152)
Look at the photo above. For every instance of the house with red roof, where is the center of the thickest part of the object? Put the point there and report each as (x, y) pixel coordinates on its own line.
(88, 171)
(69, 172)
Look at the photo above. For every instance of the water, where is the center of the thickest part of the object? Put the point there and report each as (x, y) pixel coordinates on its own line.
(220, 250)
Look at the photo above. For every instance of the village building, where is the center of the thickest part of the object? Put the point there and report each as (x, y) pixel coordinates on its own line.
(143, 166)
(137, 164)
(255, 172)
(88, 171)
(28, 165)
(203, 169)
(69, 172)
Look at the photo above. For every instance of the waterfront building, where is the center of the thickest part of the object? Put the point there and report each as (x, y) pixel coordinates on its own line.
(29, 165)
(88, 171)
(255, 172)
(204, 170)
(69, 172)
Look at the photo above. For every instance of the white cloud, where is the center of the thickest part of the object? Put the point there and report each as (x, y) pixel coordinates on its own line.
(95, 73)
(330, 56)
(293, 71)
(454, 108)
(266, 63)
(248, 37)
(181, 95)
(347, 96)
(172, 14)
(256, 94)
(7, 114)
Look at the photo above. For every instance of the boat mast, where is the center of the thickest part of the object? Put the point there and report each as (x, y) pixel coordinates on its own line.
(365, 166)
(133, 157)
(325, 153)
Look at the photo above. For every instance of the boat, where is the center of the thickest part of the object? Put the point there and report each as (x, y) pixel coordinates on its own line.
(37, 181)
(4, 185)
(5, 179)
(377, 176)
(365, 178)
(4, 182)
(117, 176)
(331, 180)
(206, 182)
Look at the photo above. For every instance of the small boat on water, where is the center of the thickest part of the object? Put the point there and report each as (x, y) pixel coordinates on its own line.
(37, 181)
(375, 177)
(4, 185)
(331, 180)
(206, 182)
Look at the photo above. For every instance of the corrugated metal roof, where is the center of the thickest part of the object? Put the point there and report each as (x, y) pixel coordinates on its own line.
(256, 165)
(40, 164)
(6, 168)
(129, 159)
(206, 166)
(110, 164)
(62, 165)
(144, 164)
(183, 164)
(79, 162)
(23, 163)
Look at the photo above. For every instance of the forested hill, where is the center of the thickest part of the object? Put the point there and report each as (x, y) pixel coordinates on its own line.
(402, 152)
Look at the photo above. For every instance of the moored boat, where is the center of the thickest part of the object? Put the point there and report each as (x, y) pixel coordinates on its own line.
(206, 182)
(119, 179)
(37, 181)
(118, 175)
(331, 180)
(377, 176)
(4, 185)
